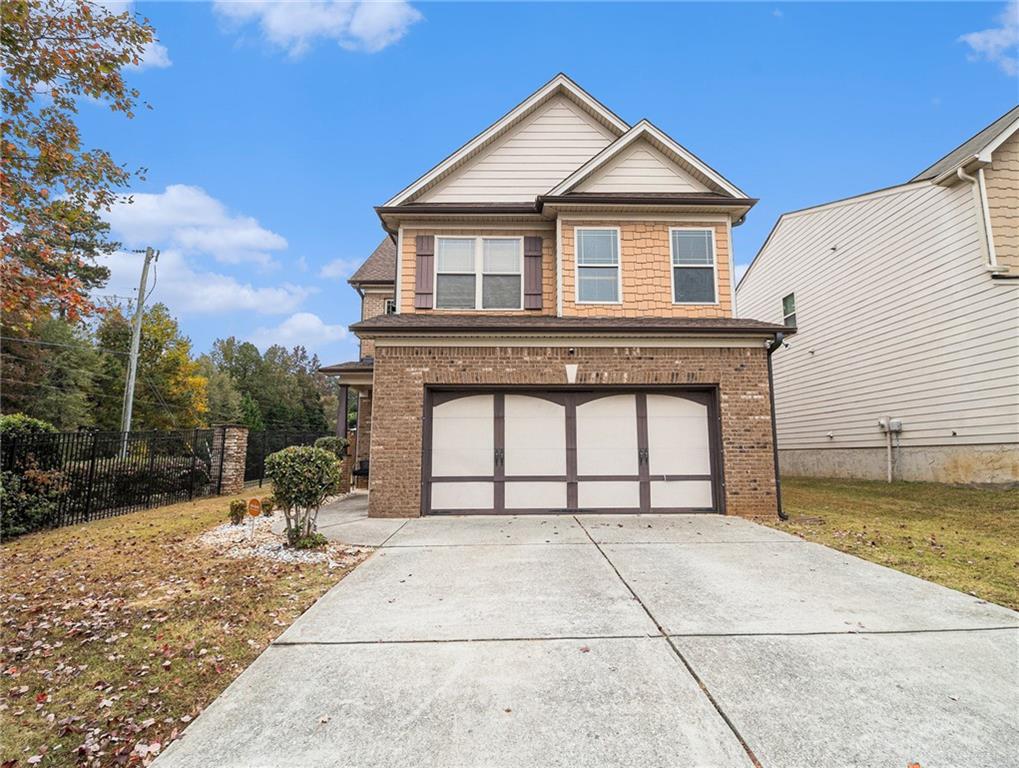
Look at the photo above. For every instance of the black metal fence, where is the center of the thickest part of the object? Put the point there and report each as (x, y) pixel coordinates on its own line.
(262, 444)
(82, 476)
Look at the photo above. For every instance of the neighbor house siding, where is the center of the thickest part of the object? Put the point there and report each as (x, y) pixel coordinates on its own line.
(402, 373)
(408, 264)
(529, 160)
(647, 271)
(897, 315)
(1002, 180)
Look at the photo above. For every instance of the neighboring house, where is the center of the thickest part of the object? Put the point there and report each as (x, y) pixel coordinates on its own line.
(562, 337)
(906, 302)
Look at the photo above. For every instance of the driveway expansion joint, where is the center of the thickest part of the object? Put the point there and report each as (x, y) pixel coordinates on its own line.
(704, 688)
(822, 633)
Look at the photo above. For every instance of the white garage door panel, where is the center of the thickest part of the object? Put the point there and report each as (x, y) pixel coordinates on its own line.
(535, 495)
(681, 494)
(463, 495)
(677, 432)
(607, 436)
(463, 437)
(535, 436)
(609, 494)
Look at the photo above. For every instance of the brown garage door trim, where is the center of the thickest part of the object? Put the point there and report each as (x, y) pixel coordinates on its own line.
(436, 394)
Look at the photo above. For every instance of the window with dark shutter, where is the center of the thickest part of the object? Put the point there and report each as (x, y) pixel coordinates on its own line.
(532, 273)
(423, 271)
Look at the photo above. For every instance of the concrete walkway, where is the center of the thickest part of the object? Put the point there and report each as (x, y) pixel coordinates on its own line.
(619, 641)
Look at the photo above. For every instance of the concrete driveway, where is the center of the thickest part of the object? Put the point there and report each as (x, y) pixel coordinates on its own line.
(620, 641)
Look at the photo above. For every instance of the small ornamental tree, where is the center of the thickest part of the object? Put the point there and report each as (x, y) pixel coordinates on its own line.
(302, 478)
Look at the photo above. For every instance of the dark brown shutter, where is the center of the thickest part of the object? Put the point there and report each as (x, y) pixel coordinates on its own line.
(423, 271)
(532, 273)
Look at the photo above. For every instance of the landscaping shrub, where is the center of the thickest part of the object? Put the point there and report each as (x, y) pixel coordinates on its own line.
(314, 541)
(31, 483)
(302, 478)
(335, 445)
(238, 508)
(268, 505)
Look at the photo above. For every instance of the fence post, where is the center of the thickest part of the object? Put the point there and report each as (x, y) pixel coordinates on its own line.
(194, 464)
(231, 440)
(91, 477)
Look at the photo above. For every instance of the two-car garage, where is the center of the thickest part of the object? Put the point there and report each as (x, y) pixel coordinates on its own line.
(516, 451)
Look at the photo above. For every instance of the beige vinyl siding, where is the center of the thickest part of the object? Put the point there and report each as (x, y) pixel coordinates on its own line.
(1002, 180)
(901, 319)
(531, 159)
(641, 168)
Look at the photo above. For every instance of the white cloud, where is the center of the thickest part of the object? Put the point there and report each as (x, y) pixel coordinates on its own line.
(174, 282)
(154, 56)
(190, 219)
(303, 328)
(357, 25)
(999, 45)
(338, 268)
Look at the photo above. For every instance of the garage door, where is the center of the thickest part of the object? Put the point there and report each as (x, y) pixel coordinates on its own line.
(569, 452)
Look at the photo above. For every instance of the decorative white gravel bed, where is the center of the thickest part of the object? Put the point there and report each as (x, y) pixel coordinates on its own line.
(255, 538)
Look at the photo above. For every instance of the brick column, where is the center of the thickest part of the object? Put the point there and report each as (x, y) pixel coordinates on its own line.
(229, 451)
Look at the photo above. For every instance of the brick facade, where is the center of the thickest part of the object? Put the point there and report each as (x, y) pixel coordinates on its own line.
(401, 374)
(373, 304)
(362, 447)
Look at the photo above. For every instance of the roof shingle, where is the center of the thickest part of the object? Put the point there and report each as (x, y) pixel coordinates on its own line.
(380, 267)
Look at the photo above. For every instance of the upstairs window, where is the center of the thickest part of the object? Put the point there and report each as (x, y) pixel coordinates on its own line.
(389, 307)
(598, 266)
(789, 309)
(478, 273)
(693, 266)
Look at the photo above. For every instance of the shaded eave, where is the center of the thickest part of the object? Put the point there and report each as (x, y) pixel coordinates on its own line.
(453, 324)
(352, 366)
(548, 206)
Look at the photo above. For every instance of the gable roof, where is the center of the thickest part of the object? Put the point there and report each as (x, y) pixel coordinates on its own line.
(677, 153)
(983, 143)
(380, 267)
(558, 85)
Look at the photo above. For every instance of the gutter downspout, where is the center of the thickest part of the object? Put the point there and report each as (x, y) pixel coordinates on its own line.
(980, 194)
(779, 337)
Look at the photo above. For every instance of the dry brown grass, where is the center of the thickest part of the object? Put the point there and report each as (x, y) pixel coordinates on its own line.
(117, 633)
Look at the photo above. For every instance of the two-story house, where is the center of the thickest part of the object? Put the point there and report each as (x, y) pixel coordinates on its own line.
(906, 363)
(548, 328)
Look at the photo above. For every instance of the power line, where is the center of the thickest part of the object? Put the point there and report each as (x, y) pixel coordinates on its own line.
(58, 344)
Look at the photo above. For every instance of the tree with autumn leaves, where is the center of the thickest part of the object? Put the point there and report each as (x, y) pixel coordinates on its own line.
(54, 189)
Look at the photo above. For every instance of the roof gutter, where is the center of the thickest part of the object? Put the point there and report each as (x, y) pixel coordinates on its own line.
(774, 345)
(983, 214)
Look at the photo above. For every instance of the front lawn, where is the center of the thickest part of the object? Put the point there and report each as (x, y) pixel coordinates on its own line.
(115, 634)
(963, 538)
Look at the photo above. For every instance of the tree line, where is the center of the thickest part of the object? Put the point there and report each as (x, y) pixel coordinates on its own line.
(72, 374)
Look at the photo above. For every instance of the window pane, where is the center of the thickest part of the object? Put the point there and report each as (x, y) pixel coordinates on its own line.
(454, 292)
(597, 246)
(692, 247)
(598, 284)
(695, 285)
(500, 292)
(790, 319)
(501, 255)
(789, 304)
(455, 255)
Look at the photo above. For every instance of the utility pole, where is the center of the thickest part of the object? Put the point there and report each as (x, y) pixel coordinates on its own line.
(136, 335)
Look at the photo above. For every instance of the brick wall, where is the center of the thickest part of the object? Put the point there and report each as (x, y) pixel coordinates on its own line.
(372, 305)
(647, 271)
(229, 451)
(401, 374)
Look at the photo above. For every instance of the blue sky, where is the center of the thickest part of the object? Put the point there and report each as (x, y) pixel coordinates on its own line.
(276, 127)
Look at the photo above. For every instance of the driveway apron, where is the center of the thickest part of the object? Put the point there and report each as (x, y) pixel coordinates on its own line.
(633, 640)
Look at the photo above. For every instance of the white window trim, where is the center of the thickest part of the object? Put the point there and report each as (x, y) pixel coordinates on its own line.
(785, 317)
(479, 274)
(673, 267)
(577, 265)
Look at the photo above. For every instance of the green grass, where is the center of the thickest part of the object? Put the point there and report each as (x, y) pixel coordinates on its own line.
(117, 633)
(963, 538)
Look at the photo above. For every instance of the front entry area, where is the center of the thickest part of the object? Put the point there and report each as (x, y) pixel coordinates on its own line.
(571, 451)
